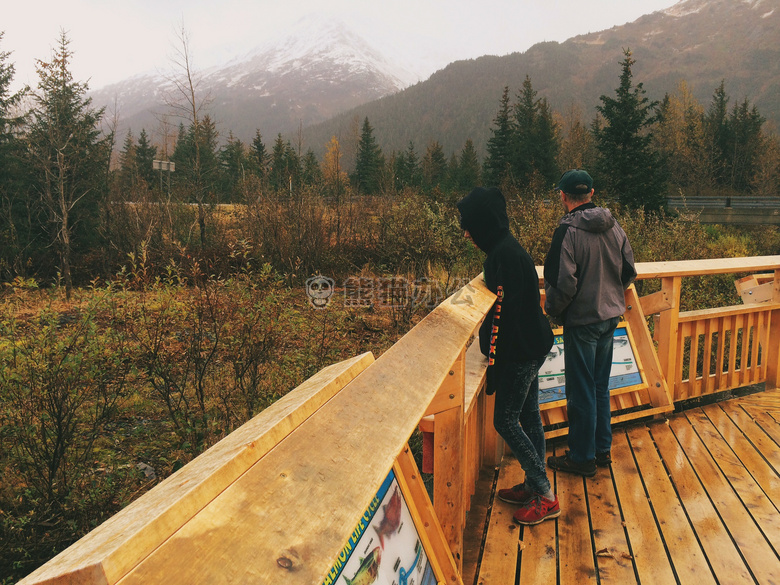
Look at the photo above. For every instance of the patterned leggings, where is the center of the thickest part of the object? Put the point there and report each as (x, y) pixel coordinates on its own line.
(518, 421)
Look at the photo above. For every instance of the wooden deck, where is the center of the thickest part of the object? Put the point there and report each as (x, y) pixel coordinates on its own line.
(691, 499)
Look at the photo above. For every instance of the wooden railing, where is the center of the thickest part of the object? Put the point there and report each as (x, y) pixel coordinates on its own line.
(275, 501)
(715, 349)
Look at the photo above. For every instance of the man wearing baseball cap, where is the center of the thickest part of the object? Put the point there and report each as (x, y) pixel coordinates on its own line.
(588, 268)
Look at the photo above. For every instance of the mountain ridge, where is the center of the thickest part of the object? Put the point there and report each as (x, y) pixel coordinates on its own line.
(700, 41)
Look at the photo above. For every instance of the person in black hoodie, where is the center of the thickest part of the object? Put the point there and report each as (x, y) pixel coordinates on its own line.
(516, 337)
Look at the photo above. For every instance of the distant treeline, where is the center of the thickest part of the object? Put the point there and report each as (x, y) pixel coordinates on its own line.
(63, 202)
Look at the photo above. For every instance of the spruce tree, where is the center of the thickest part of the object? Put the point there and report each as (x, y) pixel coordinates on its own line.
(128, 170)
(468, 167)
(407, 169)
(747, 140)
(523, 137)
(546, 144)
(16, 231)
(260, 157)
(716, 128)
(68, 157)
(434, 167)
(312, 173)
(233, 163)
(145, 154)
(278, 170)
(628, 165)
(285, 171)
(369, 161)
(497, 166)
(535, 142)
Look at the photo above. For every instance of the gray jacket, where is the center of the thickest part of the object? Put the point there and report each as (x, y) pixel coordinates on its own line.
(588, 267)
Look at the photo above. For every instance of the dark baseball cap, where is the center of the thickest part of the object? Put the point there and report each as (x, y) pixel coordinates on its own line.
(575, 182)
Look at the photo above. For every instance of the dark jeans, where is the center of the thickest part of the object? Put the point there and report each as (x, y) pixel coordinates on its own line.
(518, 421)
(587, 352)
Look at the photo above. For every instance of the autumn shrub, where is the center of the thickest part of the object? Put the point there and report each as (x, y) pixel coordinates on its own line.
(294, 233)
(63, 377)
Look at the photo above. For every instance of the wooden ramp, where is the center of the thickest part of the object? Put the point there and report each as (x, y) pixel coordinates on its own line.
(692, 499)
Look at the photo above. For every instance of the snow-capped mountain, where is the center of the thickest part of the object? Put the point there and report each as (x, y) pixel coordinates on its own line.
(317, 70)
(315, 42)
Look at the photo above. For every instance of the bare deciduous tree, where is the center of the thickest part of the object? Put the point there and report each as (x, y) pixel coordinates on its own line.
(188, 103)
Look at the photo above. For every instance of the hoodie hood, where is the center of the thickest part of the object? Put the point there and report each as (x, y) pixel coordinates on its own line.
(590, 218)
(483, 215)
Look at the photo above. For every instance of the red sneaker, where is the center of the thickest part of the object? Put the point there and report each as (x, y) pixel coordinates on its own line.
(516, 495)
(537, 510)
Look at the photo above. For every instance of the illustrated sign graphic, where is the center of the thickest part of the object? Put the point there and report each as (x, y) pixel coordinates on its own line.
(385, 547)
(624, 372)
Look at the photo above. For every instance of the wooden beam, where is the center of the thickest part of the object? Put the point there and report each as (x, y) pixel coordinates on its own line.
(657, 384)
(656, 302)
(434, 538)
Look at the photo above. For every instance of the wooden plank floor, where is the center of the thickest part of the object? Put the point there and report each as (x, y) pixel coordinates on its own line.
(691, 499)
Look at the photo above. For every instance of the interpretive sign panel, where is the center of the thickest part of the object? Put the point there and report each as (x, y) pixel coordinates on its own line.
(625, 370)
(385, 548)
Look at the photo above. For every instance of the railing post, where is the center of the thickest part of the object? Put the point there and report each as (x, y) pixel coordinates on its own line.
(773, 353)
(667, 337)
(449, 459)
(492, 443)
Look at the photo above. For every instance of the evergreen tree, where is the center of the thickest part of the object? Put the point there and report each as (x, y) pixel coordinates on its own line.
(468, 167)
(523, 138)
(260, 157)
(312, 173)
(233, 161)
(286, 169)
(369, 162)
(407, 169)
(717, 131)
(279, 174)
(128, 169)
(746, 141)
(535, 141)
(546, 144)
(209, 160)
(16, 214)
(628, 165)
(453, 173)
(183, 155)
(68, 157)
(497, 166)
(434, 167)
(145, 154)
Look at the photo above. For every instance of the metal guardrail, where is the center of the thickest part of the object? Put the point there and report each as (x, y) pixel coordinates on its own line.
(724, 202)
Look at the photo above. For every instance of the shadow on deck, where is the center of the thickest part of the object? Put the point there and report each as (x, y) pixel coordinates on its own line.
(690, 499)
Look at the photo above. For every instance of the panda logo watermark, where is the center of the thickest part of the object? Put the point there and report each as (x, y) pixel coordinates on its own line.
(394, 292)
(319, 289)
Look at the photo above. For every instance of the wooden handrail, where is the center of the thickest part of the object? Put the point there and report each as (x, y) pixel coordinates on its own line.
(683, 268)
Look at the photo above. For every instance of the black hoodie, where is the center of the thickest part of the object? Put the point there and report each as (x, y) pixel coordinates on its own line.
(515, 329)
